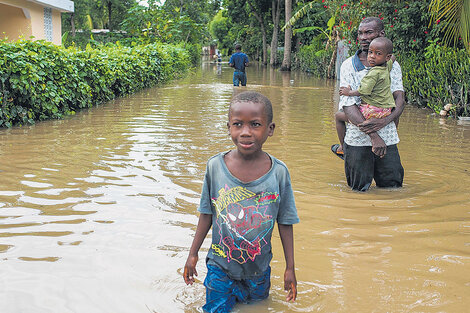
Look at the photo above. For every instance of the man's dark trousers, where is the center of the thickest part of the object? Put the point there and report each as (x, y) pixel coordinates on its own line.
(361, 165)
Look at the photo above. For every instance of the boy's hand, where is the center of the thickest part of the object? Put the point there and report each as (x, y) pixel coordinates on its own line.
(344, 91)
(190, 269)
(290, 285)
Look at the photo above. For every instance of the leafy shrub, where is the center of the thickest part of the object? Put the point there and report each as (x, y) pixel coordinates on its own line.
(442, 77)
(406, 24)
(39, 80)
(313, 59)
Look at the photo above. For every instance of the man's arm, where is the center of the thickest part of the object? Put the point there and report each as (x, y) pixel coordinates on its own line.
(290, 282)
(374, 124)
(355, 116)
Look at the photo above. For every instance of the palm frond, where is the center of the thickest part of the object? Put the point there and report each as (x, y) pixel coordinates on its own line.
(298, 15)
(465, 25)
(456, 14)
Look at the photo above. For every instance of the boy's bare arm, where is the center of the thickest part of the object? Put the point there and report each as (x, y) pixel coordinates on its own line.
(347, 91)
(203, 226)
(290, 282)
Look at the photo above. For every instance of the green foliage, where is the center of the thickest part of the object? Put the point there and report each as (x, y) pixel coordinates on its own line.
(39, 80)
(219, 29)
(245, 26)
(82, 39)
(456, 20)
(89, 14)
(442, 77)
(313, 58)
(406, 24)
(168, 24)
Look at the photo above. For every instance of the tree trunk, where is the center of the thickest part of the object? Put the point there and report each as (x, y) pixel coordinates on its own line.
(72, 24)
(287, 38)
(187, 38)
(276, 11)
(110, 27)
(333, 57)
(263, 33)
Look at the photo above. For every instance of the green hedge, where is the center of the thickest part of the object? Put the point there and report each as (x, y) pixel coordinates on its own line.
(313, 58)
(442, 77)
(39, 80)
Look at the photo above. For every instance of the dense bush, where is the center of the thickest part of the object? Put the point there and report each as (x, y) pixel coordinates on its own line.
(442, 77)
(313, 60)
(83, 38)
(39, 80)
(406, 24)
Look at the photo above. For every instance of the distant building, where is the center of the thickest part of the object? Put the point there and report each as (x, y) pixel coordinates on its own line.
(38, 18)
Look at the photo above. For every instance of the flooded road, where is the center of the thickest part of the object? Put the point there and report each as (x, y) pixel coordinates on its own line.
(97, 211)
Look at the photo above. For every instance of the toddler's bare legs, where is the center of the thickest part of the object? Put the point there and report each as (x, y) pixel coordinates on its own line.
(340, 119)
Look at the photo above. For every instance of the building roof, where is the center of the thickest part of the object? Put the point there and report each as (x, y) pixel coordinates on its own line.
(61, 5)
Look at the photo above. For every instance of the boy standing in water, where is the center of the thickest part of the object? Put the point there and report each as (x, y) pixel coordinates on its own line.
(376, 97)
(245, 192)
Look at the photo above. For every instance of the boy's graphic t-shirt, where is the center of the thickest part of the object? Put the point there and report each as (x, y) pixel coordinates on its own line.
(243, 216)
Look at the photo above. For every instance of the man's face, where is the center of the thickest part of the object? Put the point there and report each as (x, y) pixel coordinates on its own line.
(366, 33)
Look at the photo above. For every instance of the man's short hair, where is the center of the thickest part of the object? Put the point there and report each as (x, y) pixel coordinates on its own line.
(387, 44)
(379, 25)
(255, 97)
(238, 46)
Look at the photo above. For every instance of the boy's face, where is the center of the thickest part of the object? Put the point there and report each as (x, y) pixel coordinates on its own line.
(377, 54)
(248, 126)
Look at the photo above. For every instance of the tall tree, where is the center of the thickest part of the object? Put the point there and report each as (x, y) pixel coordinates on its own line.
(250, 19)
(257, 11)
(219, 28)
(286, 62)
(276, 15)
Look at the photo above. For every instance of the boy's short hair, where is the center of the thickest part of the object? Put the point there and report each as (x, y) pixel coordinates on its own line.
(238, 46)
(379, 24)
(387, 44)
(255, 97)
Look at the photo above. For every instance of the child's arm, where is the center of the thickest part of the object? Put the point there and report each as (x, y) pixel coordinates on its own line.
(203, 226)
(290, 282)
(346, 91)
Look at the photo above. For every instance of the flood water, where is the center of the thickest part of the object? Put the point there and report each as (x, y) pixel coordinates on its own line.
(98, 211)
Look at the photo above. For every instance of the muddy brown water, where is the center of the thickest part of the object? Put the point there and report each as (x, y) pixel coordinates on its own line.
(97, 211)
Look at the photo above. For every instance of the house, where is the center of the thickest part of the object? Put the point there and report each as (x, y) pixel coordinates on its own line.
(38, 18)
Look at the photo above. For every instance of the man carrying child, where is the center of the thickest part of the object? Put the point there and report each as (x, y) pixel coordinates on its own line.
(370, 145)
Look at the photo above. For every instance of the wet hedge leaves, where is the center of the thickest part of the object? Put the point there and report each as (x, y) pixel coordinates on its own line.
(39, 80)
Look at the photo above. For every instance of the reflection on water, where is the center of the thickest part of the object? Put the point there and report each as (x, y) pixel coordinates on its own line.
(97, 211)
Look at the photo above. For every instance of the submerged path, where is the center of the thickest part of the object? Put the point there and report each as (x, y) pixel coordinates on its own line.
(97, 211)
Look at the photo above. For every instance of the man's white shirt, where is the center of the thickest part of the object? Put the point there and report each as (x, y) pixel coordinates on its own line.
(352, 72)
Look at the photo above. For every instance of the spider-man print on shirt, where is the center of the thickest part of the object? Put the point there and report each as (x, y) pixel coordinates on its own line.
(243, 213)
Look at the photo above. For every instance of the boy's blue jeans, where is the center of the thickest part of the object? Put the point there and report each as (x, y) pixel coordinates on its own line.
(239, 77)
(222, 292)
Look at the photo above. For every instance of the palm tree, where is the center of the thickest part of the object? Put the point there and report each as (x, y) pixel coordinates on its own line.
(456, 14)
